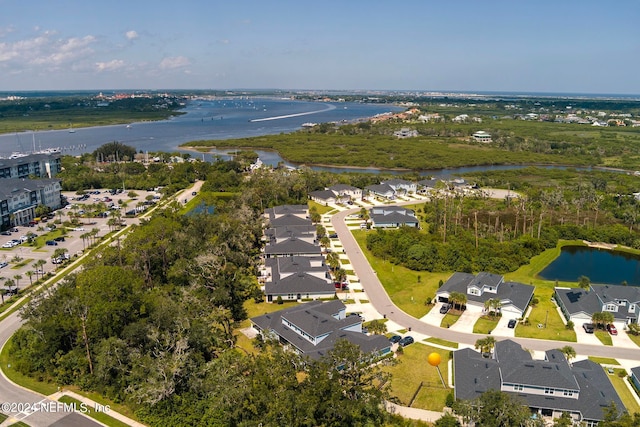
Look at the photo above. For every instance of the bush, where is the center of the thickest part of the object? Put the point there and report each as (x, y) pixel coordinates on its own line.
(449, 400)
(570, 325)
(279, 300)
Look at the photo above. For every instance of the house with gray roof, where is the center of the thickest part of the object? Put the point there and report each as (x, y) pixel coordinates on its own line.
(402, 186)
(380, 190)
(312, 329)
(297, 278)
(635, 378)
(578, 305)
(514, 297)
(275, 212)
(303, 232)
(392, 217)
(292, 247)
(427, 185)
(346, 192)
(323, 196)
(549, 387)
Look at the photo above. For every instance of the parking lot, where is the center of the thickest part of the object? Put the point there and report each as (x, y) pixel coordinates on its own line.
(18, 260)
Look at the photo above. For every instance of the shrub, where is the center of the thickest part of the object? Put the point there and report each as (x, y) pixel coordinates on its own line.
(279, 300)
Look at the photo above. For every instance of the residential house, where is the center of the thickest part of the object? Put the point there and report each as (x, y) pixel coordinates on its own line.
(635, 378)
(514, 297)
(297, 278)
(312, 329)
(392, 217)
(292, 246)
(380, 190)
(482, 136)
(346, 192)
(427, 185)
(578, 305)
(402, 186)
(276, 212)
(323, 196)
(549, 387)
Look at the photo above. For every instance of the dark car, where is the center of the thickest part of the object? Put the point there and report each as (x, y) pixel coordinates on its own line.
(445, 308)
(333, 235)
(6, 233)
(59, 239)
(512, 324)
(51, 243)
(588, 327)
(405, 341)
(395, 338)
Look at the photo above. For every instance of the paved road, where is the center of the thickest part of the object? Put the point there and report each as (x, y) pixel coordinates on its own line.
(383, 304)
(11, 393)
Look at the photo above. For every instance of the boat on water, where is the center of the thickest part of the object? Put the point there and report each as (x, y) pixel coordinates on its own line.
(308, 125)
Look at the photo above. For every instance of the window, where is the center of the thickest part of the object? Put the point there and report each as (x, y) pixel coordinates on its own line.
(611, 307)
(632, 308)
(518, 387)
(568, 393)
(548, 390)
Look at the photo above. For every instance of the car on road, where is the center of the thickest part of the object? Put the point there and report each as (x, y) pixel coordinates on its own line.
(588, 327)
(51, 243)
(405, 341)
(612, 329)
(512, 324)
(395, 339)
(445, 308)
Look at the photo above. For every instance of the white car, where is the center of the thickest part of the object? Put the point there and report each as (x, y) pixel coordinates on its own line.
(9, 244)
(77, 229)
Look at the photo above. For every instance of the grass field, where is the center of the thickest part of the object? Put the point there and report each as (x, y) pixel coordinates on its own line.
(442, 342)
(623, 391)
(408, 289)
(635, 339)
(103, 417)
(485, 325)
(449, 319)
(604, 360)
(604, 337)
(412, 369)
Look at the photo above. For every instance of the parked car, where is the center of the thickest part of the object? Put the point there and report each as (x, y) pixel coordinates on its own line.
(59, 239)
(395, 339)
(3, 264)
(6, 233)
(14, 230)
(333, 235)
(51, 243)
(512, 324)
(445, 308)
(406, 341)
(612, 329)
(588, 327)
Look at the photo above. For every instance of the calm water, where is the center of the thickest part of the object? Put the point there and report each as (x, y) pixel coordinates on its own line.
(599, 265)
(207, 119)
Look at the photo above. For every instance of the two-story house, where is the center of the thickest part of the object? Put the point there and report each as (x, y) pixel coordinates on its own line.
(392, 217)
(578, 305)
(402, 186)
(514, 297)
(297, 278)
(312, 329)
(549, 387)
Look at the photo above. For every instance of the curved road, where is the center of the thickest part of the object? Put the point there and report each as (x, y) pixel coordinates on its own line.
(383, 304)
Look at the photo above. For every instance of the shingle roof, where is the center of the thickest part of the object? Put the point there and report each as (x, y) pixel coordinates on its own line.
(288, 220)
(475, 375)
(300, 282)
(292, 246)
(323, 194)
(11, 185)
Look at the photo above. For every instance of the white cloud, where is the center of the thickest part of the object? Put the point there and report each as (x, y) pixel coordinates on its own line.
(112, 65)
(131, 35)
(44, 50)
(174, 62)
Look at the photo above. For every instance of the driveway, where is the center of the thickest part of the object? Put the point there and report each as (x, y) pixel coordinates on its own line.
(502, 328)
(585, 338)
(468, 319)
(622, 339)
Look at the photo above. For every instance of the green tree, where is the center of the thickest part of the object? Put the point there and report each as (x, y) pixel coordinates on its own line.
(377, 327)
(499, 409)
(584, 282)
(564, 420)
(447, 420)
(485, 344)
(569, 352)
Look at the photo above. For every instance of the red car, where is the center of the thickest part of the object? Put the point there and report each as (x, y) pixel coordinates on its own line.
(612, 329)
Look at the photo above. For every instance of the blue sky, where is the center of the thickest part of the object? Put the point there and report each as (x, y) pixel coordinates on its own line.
(535, 46)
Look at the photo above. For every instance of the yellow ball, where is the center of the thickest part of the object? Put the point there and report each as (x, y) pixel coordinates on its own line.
(434, 359)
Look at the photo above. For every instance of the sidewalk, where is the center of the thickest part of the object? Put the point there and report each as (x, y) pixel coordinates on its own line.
(92, 405)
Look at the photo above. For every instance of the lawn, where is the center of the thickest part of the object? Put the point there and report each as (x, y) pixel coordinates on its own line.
(545, 312)
(321, 209)
(450, 318)
(604, 360)
(411, 369)
(103, 417)
(408, 289)
(441, 342)
(485, 325)
(623, 391)
(604, 337)
(634, 338)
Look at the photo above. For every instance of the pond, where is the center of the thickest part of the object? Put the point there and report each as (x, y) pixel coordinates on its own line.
(599, 265)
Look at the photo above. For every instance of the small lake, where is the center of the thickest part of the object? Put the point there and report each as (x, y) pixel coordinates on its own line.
(599, 265)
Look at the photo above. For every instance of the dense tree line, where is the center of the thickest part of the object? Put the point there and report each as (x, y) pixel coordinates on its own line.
(151, 321)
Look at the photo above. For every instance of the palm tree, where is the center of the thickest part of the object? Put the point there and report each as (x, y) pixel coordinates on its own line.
(35, 267)
(333, 260)
(377, 327)
(457, 299)
(568, 352)
(18, 277)
(30, 276)
(486, 344)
